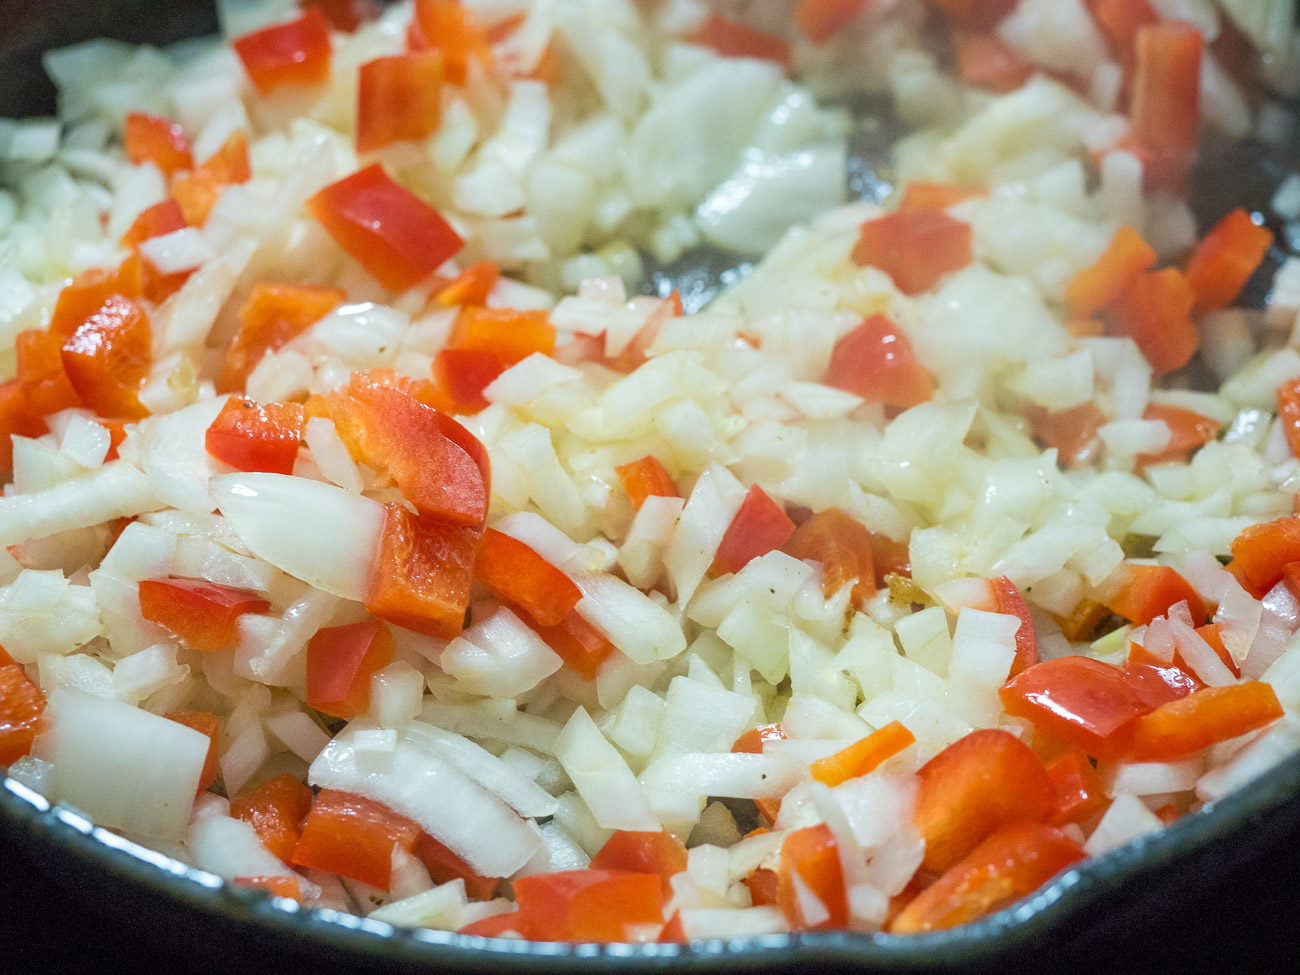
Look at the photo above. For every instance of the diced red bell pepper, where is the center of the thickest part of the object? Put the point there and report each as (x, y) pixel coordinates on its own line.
(444, 866)
(751, 742)
(1120, 21)
(471, 287)
(875, 361)
(1007, 600)
(587, 905)
(1148, 591)
(346, 15)
(21, 706)
(1210, 715)
(1261, 553)
(1081, 700)
(1165, 109)
(735, 40)
(820, 20)
(1014, 861)
(842, 545)
(278, 886)
(196, 192)
(293, 53)
(507, 333)
(16, 419)
(985, 61)
(276, 810)
(340, 663)
(88, 291)
(273, 315)
(1155, 310)
(982, 12)
(1079, 791)
(1155, 681)
(813, 856)
(203, 614)
(764, 885)
(205, 723)
(643, 852)
(1070, 431)
(1288, 412)
(1291, 576)
(389, 230)
(386, 428)
(515, 573)
(155, 221)
(974, 786)
(914, 248)
(398, 98)
(152, 138)
(107, 359)
(674, 933)
(253, 437)
(934, 196)
(424, 572)
(45, 383)
(1094, 288)
(1188, 430)
(645, 478)
(863, 756)
(353, 837)
(461, 375)
(579, 644)
(1225, 259)
(759, 527)
(496, 926)
(452, 30)
(891, 558)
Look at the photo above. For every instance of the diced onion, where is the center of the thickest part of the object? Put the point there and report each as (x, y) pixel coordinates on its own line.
(319, 533)
(468, 819)
(125, 768)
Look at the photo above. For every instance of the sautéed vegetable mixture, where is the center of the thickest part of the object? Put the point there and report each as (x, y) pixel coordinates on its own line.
(372, 537)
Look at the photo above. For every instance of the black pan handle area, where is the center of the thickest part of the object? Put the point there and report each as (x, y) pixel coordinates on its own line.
(28, 27)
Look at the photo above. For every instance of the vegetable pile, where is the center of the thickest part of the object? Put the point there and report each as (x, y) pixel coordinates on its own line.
(347, 560)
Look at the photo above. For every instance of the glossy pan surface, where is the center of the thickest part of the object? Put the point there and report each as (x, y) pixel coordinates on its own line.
(1226, 877)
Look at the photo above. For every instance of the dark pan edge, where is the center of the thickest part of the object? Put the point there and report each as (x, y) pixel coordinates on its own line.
(1106, 892)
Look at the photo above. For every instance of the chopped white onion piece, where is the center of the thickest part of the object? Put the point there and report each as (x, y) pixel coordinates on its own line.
(738, 776)
(125, 768)
(499, 657)
(180, 250)
(439, 908)
(601, 776)
(1127, 818)
(528, 798)
(297, 732)
(116, 490)
(628, 618)
(1152, 778)
(330, 454)
(469, 820)
(1200, 656)
(319, 533)
(230, 848)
